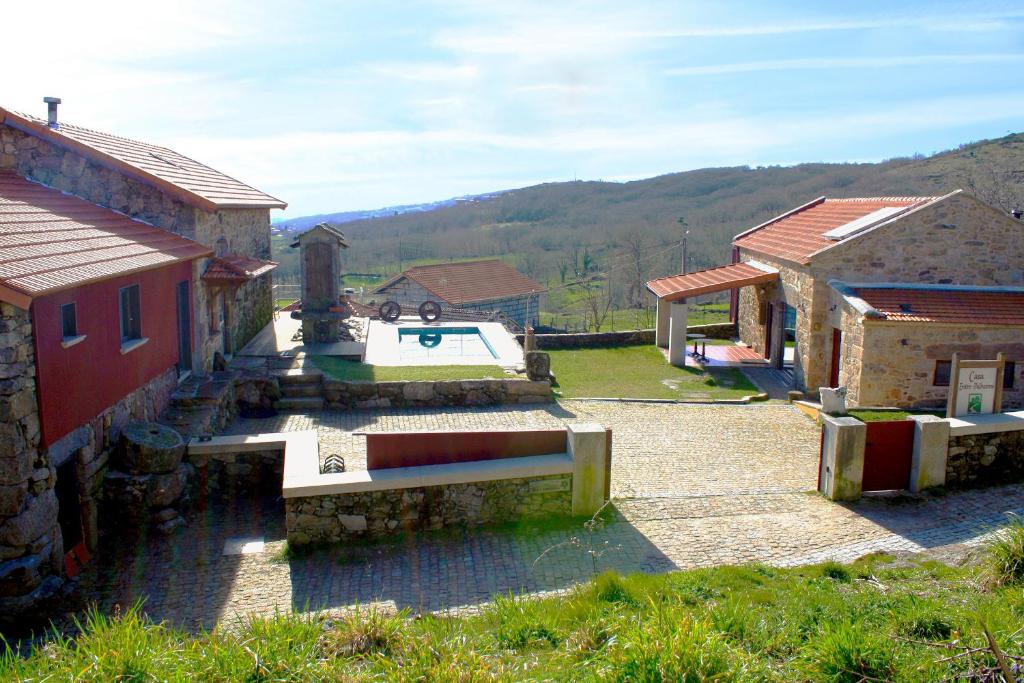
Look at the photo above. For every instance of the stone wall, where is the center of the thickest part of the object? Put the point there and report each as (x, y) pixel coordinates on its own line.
(332, 518)
(898, 366)
(576, 340)
(985, 459)
(70, 172)
(31, 548)
(228, 474)
(477, 392)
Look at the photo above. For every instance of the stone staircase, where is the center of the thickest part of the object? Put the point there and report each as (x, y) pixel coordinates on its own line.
(301, 390)
(202, 404)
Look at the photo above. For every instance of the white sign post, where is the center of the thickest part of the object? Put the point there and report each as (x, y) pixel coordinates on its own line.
(975, 387)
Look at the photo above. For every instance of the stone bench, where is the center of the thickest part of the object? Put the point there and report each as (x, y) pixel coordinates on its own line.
(226, 462)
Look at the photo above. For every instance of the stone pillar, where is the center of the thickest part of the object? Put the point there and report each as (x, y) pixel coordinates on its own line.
(661, 328)
(587, 447)
(842, 453)
(677, 333)
(931, 447)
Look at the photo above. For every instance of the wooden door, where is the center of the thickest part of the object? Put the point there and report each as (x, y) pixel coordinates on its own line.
(888, 452)
(833, 366)
(318, 271)
(184, 328)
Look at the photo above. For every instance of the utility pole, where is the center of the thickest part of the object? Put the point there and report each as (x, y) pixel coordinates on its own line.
(685, 227)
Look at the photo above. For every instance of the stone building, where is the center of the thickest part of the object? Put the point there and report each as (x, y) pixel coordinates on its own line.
(783, 269)
(232, 289)
(91, 336)
(486, 286)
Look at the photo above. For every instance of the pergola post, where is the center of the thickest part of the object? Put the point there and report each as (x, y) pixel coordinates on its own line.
(661, 328)
(677, 333)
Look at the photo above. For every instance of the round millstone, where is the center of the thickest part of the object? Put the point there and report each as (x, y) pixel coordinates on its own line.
(150, 448)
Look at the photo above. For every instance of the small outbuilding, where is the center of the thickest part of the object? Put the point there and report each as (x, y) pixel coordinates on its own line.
(489, 286)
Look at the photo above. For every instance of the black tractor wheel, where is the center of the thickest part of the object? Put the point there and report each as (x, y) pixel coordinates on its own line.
(430, 311)
(389, 311)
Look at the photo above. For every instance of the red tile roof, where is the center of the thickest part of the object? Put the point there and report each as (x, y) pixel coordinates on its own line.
(235, 268)
(799, 234)
(190, 180)
(953, 305)
(51, 241)
(469, 281)
(676, 287)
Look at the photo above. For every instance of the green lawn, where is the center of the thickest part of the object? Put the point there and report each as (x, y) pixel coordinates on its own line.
(571, 314)
(640, 372)
(889, 415)
(281, 303)
(354, 371)
(879, 619)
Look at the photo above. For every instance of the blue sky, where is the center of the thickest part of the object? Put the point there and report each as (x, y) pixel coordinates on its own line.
(347, 105)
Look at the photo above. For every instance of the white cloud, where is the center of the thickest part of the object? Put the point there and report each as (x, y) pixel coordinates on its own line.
(843, 63)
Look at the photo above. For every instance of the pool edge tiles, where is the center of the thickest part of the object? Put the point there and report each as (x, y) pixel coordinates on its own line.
(383, 345)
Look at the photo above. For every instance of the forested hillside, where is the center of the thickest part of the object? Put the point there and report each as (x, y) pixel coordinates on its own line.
(560, 232)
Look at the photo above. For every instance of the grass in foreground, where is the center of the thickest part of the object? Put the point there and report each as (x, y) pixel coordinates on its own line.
(354, 371)
(876, 619)
(640, 372)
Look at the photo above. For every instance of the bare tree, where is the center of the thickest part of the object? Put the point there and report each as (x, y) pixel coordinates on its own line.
(597, 300)
(1000, 185)
(637, 285)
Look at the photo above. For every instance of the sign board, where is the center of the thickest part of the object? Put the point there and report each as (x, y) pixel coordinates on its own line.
(975, 387)
(549, 485)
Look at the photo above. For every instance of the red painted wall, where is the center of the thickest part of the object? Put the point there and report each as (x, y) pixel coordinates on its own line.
(78, 383)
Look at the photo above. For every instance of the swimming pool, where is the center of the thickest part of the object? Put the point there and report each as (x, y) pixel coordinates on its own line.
(432, 343)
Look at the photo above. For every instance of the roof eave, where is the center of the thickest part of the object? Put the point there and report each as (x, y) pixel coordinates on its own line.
(22, 300)
(191, 198)
(107, 160)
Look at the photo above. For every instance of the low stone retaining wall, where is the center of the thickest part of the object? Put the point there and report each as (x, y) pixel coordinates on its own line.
(575, 340)
(338, 517)
(339, 394)
(228, 473)
(985, 459)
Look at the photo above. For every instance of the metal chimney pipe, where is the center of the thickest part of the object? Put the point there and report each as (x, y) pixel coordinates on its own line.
(51, 111)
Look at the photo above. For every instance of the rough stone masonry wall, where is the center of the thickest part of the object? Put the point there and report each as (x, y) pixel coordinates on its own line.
(338, 517)
(899, 360)
(73, 173)
(985, 459)
(854, 351)
(31, 548)
(432, 394)
(245, 231)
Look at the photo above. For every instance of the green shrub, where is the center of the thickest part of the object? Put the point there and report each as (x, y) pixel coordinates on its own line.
(522, 622)
(834, 570)
(365, 632)
(849, 653)
(611, 587)
(1006, 554)
(665, 648)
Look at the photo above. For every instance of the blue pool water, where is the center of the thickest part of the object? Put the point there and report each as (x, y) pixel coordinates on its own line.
(417, 343)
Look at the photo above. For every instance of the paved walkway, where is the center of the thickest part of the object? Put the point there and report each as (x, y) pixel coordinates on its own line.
(697, 485)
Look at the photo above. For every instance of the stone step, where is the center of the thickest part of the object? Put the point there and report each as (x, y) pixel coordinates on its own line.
(298, 377)
(300, 404)
(301, 390)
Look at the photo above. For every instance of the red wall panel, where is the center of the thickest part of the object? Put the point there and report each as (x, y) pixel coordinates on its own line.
(78, 383)
(385, 450)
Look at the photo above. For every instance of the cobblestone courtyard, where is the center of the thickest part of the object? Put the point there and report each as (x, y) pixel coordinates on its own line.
(695, 485)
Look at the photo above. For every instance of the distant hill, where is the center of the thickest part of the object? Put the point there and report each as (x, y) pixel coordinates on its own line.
(540, 229)
(302, 223)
